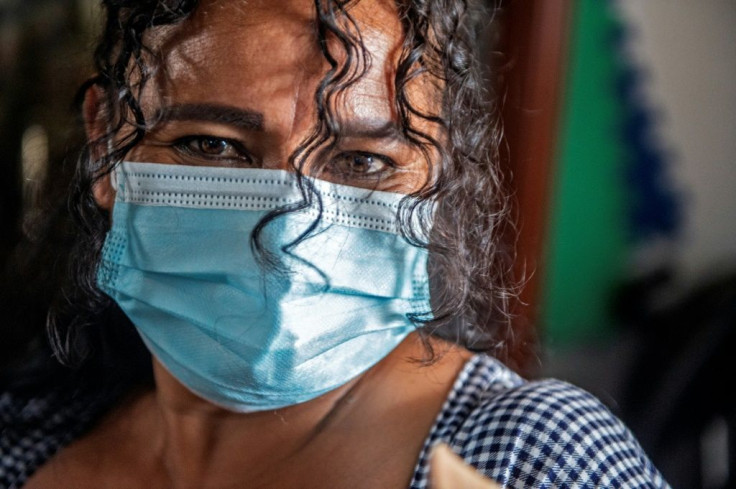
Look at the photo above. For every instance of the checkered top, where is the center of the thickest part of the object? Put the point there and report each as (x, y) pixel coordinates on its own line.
(536, 434)
(33, 430)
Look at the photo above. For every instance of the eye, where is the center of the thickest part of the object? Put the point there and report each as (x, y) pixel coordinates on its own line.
(360, 164)
(221, 151)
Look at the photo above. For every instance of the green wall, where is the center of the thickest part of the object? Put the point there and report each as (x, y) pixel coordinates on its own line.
(586, 235)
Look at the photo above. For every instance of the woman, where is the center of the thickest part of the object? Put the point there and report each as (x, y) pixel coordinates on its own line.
(269, 192)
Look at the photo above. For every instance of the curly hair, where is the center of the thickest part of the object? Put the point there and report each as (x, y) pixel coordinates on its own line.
(469, 267)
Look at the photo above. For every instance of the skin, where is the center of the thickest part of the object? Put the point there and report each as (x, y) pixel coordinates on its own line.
(237, 90)
(450, 472)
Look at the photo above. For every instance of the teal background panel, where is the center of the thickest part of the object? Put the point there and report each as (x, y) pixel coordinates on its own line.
(586, 244)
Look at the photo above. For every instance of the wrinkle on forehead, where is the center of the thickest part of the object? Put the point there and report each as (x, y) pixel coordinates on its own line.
(239, 55)
(216, 41)
(372, 95)
(265, 55)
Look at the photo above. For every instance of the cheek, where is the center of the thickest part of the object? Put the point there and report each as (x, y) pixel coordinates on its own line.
(419, 174)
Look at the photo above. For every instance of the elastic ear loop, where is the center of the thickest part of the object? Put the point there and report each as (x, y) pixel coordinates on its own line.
(114, 172)
(114, 178)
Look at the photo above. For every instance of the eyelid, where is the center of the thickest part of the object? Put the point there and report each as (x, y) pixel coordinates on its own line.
(181, 145)
(347, 174)
(194, 137)
(384, 158)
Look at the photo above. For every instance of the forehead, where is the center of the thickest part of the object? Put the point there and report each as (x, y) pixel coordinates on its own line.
(265, 54)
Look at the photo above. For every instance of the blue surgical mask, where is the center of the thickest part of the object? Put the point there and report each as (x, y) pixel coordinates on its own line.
(178, 261)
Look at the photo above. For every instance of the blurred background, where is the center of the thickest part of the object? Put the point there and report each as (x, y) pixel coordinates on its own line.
(620, 119)
(621, 124)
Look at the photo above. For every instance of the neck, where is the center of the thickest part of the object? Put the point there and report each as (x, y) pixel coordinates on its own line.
(202, 445)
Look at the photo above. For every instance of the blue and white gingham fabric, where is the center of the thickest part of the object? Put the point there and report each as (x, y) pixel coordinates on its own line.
(33, 430)
(545, 434)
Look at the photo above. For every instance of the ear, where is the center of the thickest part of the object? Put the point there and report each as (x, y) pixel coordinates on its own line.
(95, 126)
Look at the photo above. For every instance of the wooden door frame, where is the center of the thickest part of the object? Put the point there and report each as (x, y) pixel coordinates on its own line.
(534, 42)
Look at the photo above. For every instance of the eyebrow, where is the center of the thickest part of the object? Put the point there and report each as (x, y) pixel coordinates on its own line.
(221, 114)
(371, 128)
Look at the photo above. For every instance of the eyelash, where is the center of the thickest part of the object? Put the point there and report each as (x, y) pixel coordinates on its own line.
(183, 145)
(385, 160)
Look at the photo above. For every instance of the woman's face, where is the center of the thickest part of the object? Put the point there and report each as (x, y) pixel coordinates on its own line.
(237, 88)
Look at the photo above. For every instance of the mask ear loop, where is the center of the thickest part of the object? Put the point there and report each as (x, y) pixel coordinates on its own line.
(114, 172)
(114, 178)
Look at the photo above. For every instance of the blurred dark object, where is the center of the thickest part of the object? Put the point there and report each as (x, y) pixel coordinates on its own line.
(679, 396)
(655, 206)
(44, 57)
